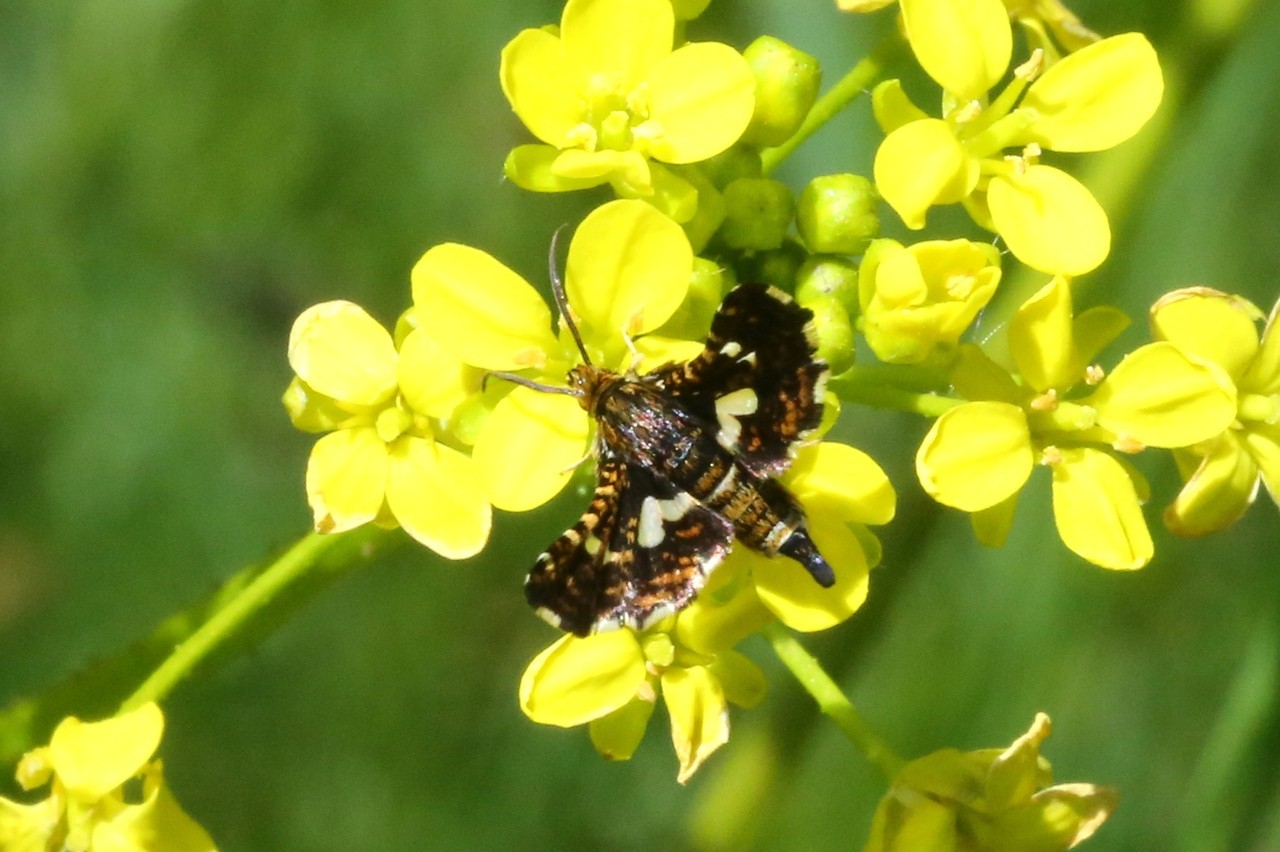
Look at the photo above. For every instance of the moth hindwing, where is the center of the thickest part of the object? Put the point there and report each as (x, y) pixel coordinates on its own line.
(687, 459)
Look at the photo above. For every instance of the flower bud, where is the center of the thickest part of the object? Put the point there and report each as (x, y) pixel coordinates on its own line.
(687, 10)
(758, 212)
(828, 275)
(837, 214)
(707, 286)
(787, 83)
(737, 161)
(917, 300)
(835, 331)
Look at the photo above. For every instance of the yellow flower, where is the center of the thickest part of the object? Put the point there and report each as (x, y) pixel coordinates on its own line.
(978, 455)
(1222, 473)
(1040, 18)
(385, 412)
(990, 800)
(613, 680)
(610, 99)
(627, 272)
(1089, 101)
(917, 300)
(87, 766)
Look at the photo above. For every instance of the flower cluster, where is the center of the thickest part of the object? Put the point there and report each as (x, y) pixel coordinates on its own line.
(90, 768)
(686, 133)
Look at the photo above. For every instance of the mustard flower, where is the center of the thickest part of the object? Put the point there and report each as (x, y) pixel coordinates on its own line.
(1222, 473)
(1091, 100)
(87, 765)
(611, 100)
(1040, 18)
(990, 800)
(612, 681)
(917, 300)
(628, 270)
(385, 459)
(977, 456)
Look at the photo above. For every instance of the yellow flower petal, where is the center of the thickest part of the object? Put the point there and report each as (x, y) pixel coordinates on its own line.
(532, 167)
(480, 311)
(1219, 491)
(1210, 325)
(1097, 97)
(346, 479)
(93, 758)
(628, 269)
(975, 376)
(837, 481)
(580, 679)
(1264, 445)
(699, 716)
(1040, 338)
(922, 164)
(617, 41)
(991, 525)
(656, 350)
(158, 824)
(800, 603)
(342, 352)
(701, 100)
(964, 45)
(28, 828)
(742, 681)
(617, 735)
(528, 447)
(1050, 220)
(311, 411)
(1159, 398)
(1263, 375)
(436, 495)
(1096, 510)
(892, 107)
(628, 170)
(976, 455)
(541, 85)
(1092, 331)
(714, 622)
(432, 380)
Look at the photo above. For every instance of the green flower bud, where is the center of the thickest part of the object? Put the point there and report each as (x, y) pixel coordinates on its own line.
(758, 212)
(835, 331)
(736, 161)
(828, 275)
(837, 214)
(787, 83)
(778, 266)
(707, 286)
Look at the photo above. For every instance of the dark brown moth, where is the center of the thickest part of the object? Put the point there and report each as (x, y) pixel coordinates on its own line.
(687, 459)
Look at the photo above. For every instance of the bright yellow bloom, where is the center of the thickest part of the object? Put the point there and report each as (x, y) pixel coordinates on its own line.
(627, 272)
(978, 455)
(610, 99)
(990, 800)
(1222, 473)
(88, 765)
(917, 300)
(384, 459)
(613, 680)
(1040, 18)
(1089, 101)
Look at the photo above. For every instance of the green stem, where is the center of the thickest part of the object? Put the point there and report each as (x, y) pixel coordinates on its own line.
(860, 78)
(873, 386)
(831, 701)
(262, 592)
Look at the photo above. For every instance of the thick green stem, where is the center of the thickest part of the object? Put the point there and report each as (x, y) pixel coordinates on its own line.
(860, 78)
(831, 701)
(280, 585)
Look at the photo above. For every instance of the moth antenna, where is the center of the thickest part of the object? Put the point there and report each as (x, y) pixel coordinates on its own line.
(562, 301)
(521, 380)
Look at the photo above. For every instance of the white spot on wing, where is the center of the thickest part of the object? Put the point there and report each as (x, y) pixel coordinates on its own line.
(728, 408)
(650, 532)
(731, 349)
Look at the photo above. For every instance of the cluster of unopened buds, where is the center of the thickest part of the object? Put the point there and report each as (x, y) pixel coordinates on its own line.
(432, 424)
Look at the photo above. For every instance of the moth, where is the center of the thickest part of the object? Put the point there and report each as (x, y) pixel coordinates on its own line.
(687, 457)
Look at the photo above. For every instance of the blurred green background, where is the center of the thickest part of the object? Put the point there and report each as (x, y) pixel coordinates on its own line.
(180, 178)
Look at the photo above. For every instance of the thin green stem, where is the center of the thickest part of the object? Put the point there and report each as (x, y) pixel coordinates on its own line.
(860, 78)
(261, 591)
(831, 701)
(874, 386)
